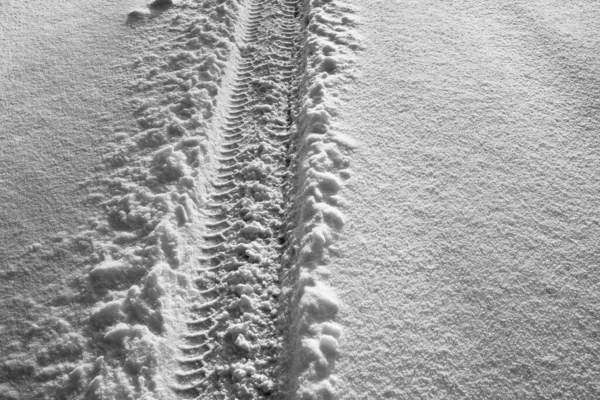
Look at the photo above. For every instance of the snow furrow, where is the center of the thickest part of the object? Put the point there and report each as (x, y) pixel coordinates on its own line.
(281, 166)
(246, 265)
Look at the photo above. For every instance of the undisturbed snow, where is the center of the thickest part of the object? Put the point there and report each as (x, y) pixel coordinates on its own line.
(470, 266)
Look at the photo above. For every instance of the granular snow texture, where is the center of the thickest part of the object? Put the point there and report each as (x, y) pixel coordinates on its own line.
(198, 270)
(470, 265)
(62, 92)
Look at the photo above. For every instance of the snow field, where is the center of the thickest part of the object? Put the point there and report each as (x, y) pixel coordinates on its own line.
(467, 268)
(222, 261)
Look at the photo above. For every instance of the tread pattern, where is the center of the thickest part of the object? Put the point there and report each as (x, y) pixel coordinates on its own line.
(234, 340)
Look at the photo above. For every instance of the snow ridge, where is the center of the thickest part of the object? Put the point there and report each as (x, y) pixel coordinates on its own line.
(320, 160)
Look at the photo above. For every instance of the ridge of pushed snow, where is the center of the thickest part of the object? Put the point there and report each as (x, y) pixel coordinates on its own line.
(321, 160)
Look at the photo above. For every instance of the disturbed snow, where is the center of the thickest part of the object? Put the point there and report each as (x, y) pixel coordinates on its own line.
(207, 222)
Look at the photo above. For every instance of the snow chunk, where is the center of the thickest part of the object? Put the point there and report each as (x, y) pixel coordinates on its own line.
(161, 4)
(328, 345)
(243, 344)
(328, 182)
(181, 215)
(329, 65)
(319, 301)
(108, 270)
(255, 230)
(107, 313)
(322, 390)
(331, 329)
(118, 333)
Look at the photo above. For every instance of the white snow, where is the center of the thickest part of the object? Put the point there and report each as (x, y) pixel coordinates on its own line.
(468, 267)
(312, 199)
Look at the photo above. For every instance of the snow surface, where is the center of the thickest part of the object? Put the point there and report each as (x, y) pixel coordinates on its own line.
(201, 211)
(62, 90)
(315, 199)
(469, 264)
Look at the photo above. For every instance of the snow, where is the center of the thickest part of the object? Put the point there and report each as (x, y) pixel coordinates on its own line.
(61, 85)
(315, 199)
(468, 263)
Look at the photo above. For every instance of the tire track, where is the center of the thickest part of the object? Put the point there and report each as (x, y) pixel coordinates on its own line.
(233, 342)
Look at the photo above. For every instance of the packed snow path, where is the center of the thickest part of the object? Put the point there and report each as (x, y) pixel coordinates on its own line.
(243, 248)
(470, 268)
